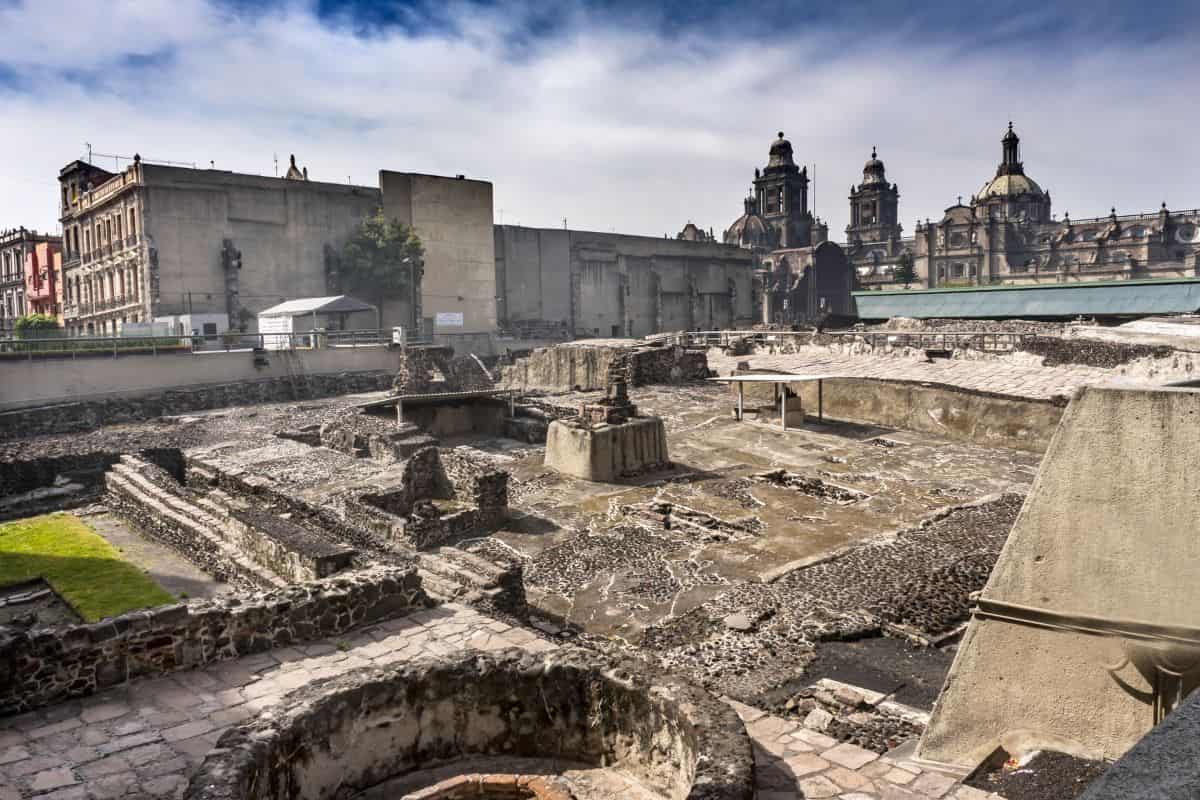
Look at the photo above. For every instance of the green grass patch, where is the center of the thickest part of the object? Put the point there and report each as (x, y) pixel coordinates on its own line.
(82, 566)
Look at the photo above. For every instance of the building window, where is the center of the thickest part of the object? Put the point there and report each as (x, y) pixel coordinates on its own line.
(132, 222)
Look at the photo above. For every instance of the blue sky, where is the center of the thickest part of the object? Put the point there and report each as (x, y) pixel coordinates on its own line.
(636, 117)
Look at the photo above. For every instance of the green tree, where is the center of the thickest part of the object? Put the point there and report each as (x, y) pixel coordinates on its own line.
(906, 273)
(381, 260)
(35, 326)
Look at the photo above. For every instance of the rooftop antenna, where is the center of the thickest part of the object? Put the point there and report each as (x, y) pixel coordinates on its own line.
(88, 145)
(564, 223)
(275, 156)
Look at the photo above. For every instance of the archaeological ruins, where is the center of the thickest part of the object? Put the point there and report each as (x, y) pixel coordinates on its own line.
(895, 562)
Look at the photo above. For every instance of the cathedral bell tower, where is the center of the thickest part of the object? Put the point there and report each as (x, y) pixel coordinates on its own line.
(874, 206)
(781, 193)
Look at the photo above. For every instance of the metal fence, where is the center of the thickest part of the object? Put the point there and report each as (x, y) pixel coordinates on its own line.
(92, 346)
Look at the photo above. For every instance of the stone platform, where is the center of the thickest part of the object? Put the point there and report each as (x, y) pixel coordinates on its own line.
(604, 453)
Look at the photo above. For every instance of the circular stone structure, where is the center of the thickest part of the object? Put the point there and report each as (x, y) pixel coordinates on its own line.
(378, 731)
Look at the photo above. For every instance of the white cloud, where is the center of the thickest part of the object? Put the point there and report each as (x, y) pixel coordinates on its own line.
(610, 126)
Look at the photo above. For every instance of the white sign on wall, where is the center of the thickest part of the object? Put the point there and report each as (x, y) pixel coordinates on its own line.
(449, 319)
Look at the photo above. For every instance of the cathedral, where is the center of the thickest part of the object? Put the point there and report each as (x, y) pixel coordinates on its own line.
(800, 276)
(1005, 234)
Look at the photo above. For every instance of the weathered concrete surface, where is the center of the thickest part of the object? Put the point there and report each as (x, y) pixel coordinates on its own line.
(43, 381)
(1105, 542)
(604, 453)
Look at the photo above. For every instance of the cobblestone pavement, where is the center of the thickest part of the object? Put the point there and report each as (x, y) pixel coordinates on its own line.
(996, 376)
(142, 740)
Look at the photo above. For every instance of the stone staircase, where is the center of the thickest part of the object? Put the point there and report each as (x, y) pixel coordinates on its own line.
(451, 574)
(156, 504)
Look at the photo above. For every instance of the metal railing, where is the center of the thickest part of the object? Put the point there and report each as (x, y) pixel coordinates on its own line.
(114, 346)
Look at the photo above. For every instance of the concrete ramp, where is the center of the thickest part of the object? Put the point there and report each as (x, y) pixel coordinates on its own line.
(1088, 631)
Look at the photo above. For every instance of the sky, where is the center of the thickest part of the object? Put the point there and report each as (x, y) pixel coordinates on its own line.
(613, 115)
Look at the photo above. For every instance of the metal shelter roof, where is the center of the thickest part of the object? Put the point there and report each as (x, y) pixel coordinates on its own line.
(782, 377)
(337, 304)
(1107, 298)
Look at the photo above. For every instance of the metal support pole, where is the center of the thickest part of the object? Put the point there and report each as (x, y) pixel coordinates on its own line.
(820, 400)
(399, 411)
(783, 408)
(741, 409)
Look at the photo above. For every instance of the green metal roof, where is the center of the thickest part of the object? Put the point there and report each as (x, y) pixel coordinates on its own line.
(1102, 298)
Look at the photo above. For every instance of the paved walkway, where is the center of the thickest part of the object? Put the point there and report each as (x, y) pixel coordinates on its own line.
(984, 375)
(143, 740)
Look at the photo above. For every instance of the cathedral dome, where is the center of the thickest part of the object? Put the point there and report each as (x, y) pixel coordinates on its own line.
(781, 153)
(1009, 186)
(873, 171)
(749, 230)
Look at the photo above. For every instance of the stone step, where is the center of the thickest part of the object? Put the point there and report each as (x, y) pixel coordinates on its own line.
(438, 587)
(474, 563)
(160, 504)
(453, 571)
(164, 496)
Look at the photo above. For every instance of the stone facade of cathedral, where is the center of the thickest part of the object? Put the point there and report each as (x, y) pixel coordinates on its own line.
(1005, 234)
(800, 277)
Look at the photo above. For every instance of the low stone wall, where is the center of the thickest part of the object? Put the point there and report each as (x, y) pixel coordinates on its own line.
(477, 484)
(346, 735)
(89, 414)
(1056, 350)
(48, 665)
(995, 420)
(284, 547)
(25, 476)
(585, 366)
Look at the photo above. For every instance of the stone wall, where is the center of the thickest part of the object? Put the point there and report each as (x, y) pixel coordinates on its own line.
(89, 414)
(569, 705)
(1056, 350)
(585, 366)
(48, 665)
(477, 483)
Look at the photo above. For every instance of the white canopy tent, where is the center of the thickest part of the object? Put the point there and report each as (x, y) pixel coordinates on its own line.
(280, 320)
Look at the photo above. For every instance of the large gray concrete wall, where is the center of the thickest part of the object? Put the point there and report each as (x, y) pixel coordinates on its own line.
(611, 284)
(1103, 556)
(281, 228)
(453, 217)
(42, 381)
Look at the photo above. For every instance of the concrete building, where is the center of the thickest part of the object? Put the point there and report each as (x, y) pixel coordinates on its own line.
(1007, 234)
(558, 283)
(453, 218)
(16, 246)
(157, 241)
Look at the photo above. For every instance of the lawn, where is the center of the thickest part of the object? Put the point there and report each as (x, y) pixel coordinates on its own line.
(83, 568)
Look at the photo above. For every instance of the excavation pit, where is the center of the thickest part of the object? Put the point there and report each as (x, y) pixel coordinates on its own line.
(364, 732)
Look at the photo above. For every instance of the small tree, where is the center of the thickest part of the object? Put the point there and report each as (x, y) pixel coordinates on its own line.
(380, 260)
(35, 326)
(905, 272)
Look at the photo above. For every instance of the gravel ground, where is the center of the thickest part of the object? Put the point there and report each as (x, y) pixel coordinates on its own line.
(920, 578)
(1048, 776)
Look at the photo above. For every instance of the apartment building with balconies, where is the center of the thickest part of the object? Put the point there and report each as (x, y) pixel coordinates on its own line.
(16, 246)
